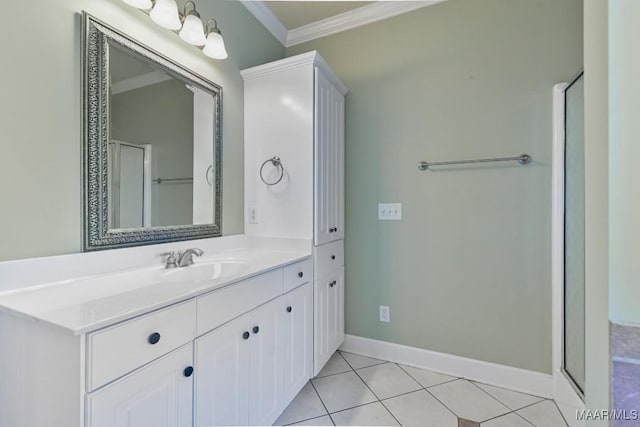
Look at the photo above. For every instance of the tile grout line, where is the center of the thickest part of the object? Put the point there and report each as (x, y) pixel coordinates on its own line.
(448, 381)
(322, 401)
(440, 402)
(561, 414)
(491, 396)
(367, 385)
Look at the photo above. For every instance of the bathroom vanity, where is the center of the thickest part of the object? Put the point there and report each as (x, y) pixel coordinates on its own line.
(227, 341)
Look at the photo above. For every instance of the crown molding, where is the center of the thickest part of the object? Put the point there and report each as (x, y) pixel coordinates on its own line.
(267, 18)
(353, 19)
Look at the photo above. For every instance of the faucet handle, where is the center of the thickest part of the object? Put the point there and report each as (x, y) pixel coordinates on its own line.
(171, 259)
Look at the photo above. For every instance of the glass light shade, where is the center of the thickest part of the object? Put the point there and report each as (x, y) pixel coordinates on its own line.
(140, 4)
(193, 31)
(215, 46)
(165, 14)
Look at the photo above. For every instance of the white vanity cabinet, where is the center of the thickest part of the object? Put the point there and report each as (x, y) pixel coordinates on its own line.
(294, 110)
(236, 355)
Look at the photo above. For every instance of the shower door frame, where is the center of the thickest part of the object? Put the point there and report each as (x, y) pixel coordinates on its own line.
(566, 394)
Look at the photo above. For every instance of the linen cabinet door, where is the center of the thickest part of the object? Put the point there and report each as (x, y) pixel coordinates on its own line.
(323, 155)
(159, 395)
(337, 174)
(322, 324)
(336, 301)
(222, 380)
(298, 340)
(266, 363)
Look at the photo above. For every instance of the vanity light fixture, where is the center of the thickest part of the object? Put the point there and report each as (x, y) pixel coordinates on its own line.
(192, 29)
(188, 25)
(165, 13)
(215, 43)
(140, 4)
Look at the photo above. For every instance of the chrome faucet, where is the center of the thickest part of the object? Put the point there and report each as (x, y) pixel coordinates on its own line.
(181, 259)
(185, 258)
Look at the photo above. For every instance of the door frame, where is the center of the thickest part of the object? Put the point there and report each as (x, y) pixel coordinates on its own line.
(565, 393)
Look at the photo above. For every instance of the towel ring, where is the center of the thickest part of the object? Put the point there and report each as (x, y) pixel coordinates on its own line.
(206, 175)
(276, 162)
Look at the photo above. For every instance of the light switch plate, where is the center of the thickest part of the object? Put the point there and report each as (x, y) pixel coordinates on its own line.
(389, 211)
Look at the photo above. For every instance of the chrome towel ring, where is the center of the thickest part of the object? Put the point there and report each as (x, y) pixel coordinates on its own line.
(276, 162)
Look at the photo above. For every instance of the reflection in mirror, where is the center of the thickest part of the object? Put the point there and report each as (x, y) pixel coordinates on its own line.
(160, 147)
(153, 145)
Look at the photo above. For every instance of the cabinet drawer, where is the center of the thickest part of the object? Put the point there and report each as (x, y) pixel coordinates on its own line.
(220, 306)
(328, 258)
(114, 351)
(297, 274)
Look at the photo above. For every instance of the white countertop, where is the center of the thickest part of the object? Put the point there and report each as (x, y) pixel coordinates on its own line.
(84, 304)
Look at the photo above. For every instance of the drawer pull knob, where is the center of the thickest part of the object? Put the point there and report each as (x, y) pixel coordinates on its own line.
(188, 371)
(154, 338)
(301, 274)
(289, 309)
(333, 257)
(245, 335)
(256, 329)
(332, 284)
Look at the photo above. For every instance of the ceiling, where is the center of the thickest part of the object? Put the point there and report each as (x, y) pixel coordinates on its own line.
(294, 14)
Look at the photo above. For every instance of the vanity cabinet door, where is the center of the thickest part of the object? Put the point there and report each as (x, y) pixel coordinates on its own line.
(298, 340)
(329, 162)
(222, 383)
(266, 363)
(159, 395)
(336, 310)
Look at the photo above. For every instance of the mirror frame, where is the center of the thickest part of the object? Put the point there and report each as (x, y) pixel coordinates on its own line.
(96, 233)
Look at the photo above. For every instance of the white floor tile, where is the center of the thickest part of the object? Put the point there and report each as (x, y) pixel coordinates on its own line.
(306, 405)
(509, 420)
(356, 361)
(427, 378)
(512, 399)
(388, 380)
(343, 391)
(468, 401)
(543, 414)
(320, 421)
(420, 409)
(373, 414)
(335, 365)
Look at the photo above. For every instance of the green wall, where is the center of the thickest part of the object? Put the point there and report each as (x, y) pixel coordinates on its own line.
(40, 112)
(624, 150)
(467, 270)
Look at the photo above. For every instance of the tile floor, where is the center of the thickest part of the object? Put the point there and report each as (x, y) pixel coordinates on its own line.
(358, 390)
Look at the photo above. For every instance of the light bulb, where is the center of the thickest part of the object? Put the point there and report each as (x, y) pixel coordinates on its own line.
(215, 46)
(140, 4)
(165, 14)
(192, 30)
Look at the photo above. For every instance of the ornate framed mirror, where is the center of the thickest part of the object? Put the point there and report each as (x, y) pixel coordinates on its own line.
(152, 148)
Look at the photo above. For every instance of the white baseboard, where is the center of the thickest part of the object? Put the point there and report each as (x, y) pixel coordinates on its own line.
(509, 377)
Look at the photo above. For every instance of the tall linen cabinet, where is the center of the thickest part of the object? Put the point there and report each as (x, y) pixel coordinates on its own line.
(294, 110)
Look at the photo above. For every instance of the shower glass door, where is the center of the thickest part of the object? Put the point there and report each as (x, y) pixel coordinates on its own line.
(574, 287)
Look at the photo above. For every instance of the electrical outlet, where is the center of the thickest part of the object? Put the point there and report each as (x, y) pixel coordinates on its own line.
(385, 315)
(390, 211)
(253, 215)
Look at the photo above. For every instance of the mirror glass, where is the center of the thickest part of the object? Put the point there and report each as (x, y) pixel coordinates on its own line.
(152, 145)
(160, 146)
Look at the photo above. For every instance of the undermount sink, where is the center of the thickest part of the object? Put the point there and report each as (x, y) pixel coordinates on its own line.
(206, 270)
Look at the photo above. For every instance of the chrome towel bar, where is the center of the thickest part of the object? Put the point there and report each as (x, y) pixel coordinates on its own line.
(523, 159)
